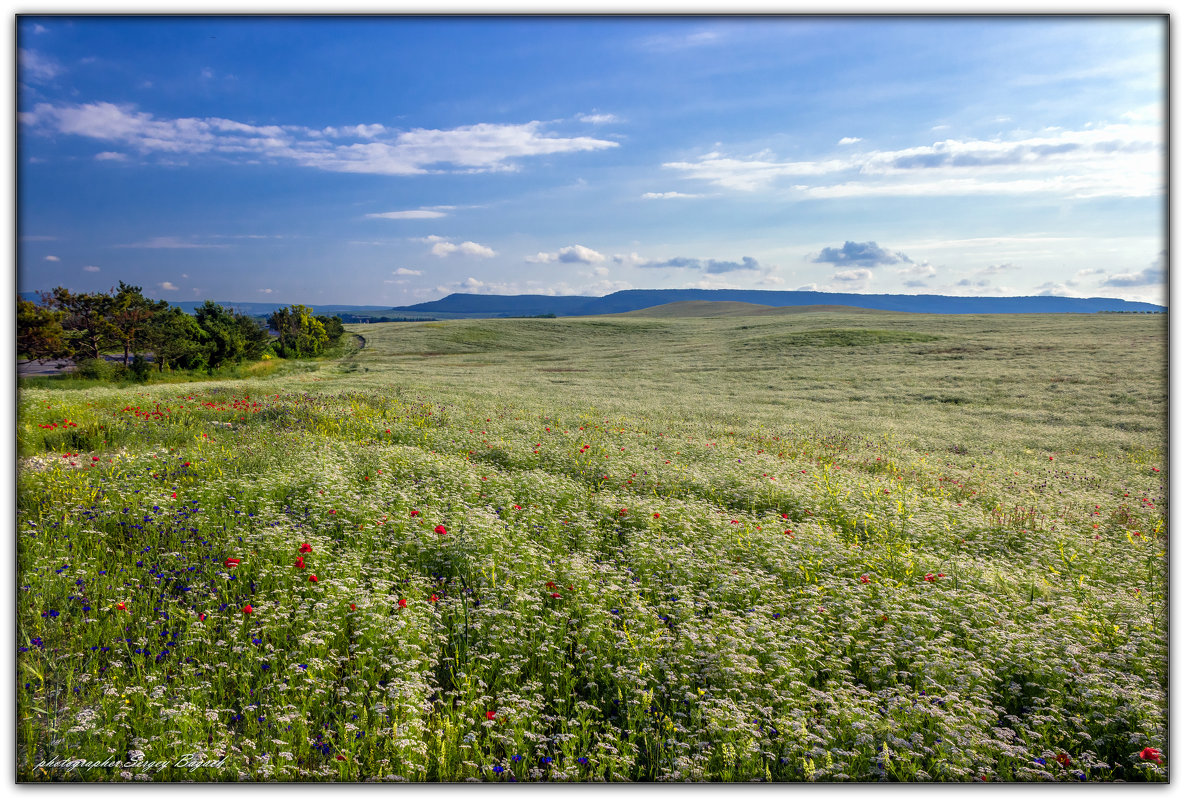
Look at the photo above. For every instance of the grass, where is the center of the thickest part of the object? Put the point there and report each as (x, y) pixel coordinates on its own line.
(817, 547)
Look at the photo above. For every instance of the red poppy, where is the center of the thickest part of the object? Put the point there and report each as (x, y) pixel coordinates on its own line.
(864, 579)
(341, 758)
(491, 714)
(332, 511)
(202, 617)
(353, 607)
(402, 603)
(622, 512)
(247, 609)
(299, 563)
(1151, 755)
(441, 530)
(657, 515)
(306, 548)
(550, 585)
(929, 577)
(1063, 760)
(433, 599)
(231, 562)
(414, 512)
(121, 606)
(313, 578)
(555, 595)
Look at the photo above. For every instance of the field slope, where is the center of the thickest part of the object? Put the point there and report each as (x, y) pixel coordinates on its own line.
(802, 547)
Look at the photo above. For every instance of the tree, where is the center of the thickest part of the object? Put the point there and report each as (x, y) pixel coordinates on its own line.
(256, 339)
(130, 315)
(223, 331)
(86, 320)
(300, 333)
(333, 328)
(178, 341)
(39, 330)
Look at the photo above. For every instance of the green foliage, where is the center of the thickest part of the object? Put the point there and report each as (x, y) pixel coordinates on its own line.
(300, 333)
(40, 334)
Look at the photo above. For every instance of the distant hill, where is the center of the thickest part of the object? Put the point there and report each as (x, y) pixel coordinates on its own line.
(634, 299)
(732, 308)
(461, 305)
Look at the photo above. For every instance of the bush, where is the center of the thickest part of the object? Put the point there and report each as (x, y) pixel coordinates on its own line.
(97, 368)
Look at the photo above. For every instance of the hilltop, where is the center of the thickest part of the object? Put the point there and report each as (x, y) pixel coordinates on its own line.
(630, 300)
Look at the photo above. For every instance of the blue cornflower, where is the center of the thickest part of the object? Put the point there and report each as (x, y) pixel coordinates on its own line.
(582, 760)
(516, 758)
(1039, 761)
(496, 768)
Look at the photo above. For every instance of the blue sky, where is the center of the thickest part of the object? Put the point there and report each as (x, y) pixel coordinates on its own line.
(388, 161)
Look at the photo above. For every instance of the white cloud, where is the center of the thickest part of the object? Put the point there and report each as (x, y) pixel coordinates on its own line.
(630, 259)
(168, 243)
(267, 291)
(444, 248)
(167, 285)
(1152, 275)
(406, 271)
(483, 147)
(853, 276)
(995, 269)
(52, 258)
(754, 173)
(110, 156)
(1110, 160)
(37, 66)
(667, 43)
(666, 195)
(573, 254)
(90, 268)
(411, 214)
(850, 140)
(598, 119)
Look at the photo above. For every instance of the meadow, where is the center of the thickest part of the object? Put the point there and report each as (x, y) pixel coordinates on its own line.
(823, 546)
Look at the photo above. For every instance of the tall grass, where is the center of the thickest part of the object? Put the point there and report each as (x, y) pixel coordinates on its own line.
(886, 547)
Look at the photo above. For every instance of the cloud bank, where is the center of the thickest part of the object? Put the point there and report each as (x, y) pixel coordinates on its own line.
(1114, 160)
(371, 149)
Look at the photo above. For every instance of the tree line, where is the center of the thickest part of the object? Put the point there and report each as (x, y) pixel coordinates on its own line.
(86, 325)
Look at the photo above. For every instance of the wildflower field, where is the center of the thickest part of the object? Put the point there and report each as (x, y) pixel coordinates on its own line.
(787, 547)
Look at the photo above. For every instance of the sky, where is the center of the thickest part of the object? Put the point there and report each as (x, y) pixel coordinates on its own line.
(387, 161)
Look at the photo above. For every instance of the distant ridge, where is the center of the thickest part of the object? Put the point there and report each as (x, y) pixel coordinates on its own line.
(733, 308)
(634, 299)
(630, 300)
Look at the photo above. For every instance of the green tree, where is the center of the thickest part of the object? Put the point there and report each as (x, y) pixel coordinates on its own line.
(131, 313)
(300, 333)
(178, 341)
(256, 339)
(225, 336)
(333, 328)
(39, 332)
(86, 319)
